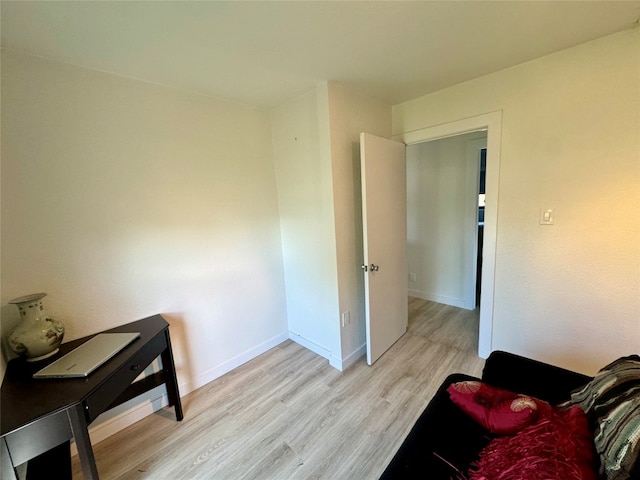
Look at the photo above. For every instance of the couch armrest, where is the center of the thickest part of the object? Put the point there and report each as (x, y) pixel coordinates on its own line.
(531, 377)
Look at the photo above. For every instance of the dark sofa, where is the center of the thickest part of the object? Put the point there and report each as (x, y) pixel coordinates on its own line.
(445, 441)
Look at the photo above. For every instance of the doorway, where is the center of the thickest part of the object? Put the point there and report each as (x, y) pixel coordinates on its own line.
(443, 180)
(492, 123)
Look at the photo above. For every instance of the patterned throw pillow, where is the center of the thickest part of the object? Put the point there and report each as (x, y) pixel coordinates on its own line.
(612, 404)
(500, 411)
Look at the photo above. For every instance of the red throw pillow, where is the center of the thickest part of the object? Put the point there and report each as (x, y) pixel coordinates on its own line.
(558, 447)
(500, 411)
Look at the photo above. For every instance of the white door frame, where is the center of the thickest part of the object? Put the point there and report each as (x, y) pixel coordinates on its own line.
(492, 122)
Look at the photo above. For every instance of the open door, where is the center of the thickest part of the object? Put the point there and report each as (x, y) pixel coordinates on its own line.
(384, 219)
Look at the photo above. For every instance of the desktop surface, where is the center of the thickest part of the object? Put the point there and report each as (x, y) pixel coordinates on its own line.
(24, 399)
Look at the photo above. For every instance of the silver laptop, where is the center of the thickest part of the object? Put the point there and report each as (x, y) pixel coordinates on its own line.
(83, 360)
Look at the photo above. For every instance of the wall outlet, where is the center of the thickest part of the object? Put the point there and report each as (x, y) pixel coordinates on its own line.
(412, 277)
(345, 318)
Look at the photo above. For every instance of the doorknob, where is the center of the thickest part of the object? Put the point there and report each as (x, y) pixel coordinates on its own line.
(374, 268)
(364, 267)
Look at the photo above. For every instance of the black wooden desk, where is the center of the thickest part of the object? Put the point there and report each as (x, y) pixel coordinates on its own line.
(38, 415)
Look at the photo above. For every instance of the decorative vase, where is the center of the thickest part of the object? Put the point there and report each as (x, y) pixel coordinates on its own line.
(37, 336)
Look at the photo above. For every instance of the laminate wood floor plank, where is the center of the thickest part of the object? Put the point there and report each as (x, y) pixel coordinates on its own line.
(447, 325)
(282, 462)
(288, 414)
(359, 443)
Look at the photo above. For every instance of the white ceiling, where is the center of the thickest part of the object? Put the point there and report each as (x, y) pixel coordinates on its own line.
(263, 53)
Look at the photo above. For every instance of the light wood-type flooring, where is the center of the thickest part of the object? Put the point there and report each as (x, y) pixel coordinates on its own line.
(287, 414)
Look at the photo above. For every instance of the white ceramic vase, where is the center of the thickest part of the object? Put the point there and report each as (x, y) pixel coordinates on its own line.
(37, 336)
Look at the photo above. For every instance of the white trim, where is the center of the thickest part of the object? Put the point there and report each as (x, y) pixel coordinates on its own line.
(335, 362)
(431, 297)
(232, 363)
(310, 345)
(492, 122)
(354, 356)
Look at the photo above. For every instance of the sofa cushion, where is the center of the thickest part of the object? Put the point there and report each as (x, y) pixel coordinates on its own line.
(612, 403)
(558, 446)
(500, 411)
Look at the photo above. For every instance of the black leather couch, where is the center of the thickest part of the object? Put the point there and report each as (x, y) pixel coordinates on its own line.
(445, 441)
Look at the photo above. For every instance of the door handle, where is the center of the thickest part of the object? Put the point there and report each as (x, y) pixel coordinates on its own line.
(372, 268)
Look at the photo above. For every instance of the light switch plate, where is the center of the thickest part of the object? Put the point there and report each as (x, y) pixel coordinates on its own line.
(547, 216)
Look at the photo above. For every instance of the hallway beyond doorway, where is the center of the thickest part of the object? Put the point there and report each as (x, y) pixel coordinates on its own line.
(443, 324)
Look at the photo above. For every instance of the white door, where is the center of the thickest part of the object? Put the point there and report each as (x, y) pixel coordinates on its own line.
(384, 218)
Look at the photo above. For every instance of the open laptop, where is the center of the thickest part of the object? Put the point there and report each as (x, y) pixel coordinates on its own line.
(83, 360)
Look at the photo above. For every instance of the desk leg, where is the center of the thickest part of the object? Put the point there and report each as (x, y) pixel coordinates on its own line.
(8, 470)
(171, 379)
(83, 442)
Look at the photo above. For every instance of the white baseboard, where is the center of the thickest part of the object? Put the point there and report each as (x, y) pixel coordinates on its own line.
(235, 362)
(335, 362)
(136, 409)
(454, 302)
(308, 344)
(354, 356)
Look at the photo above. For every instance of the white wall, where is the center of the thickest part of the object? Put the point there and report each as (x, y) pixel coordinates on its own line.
(305, 199)
(442, 186)
(317, 157)
(123, 199)
(567, 293)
